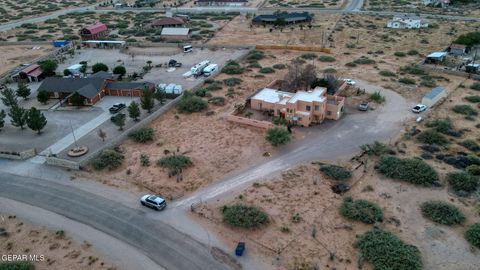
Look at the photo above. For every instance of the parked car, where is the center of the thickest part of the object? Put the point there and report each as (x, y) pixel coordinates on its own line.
(174, 63)
(153, 201)
(419, 108)
(117, 107)
(350, 81)
(363, 106)
(240, 249)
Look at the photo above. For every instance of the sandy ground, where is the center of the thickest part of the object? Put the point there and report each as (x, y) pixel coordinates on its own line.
(418, 6)
(12, 56)
(54, 249)
(305, 3)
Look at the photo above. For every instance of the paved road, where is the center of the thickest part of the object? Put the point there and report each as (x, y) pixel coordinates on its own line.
(160, 242)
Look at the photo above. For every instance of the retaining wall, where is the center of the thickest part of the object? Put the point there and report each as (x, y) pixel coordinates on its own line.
(451, 72)
(250, 122)
(19, 155)
(63, 163)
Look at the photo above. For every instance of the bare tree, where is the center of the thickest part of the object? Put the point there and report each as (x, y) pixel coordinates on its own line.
(299, 77)
(101, 134)
(308, 75)
(333, 82)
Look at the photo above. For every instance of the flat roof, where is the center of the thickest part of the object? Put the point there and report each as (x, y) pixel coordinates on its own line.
(315, 95)
(175, 31)
(105, 41)
(437, 54)
(272, 95)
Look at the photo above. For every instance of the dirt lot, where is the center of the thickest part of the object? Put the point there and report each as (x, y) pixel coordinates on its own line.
(13, 56)
(305, 3)
(417, 6)
(58, 250)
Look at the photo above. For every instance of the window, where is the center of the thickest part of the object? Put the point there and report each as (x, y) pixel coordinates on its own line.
(317, 108)
(329, 113)
(308, 108)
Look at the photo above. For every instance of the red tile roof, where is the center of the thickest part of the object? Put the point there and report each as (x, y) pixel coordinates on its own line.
(97, 28)
(168, 21)
(30, 68)
(458, 46)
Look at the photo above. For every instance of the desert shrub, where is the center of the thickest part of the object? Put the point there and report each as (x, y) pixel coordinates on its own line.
(174, 164)
(377, 97)
(473, 99)
(470, 145)
(244, 216)
(232, 67)
(462, 183)
(387, 73)
(267, 70)
(442, 212)
(190, 103)
(428, 83)
(144, 160)
(329, 70)
(202, 92)
(361, 210)
(232, 81)
(142, 135)
(336, 172)
(473, 169)
(16, 265)
(351, 64)
(109, 159)
(218, 101)
(432, 137)
(214, 86)
(364, 61)
(326, 58)
(430, 148)
(384, 250)
(400, 54)
(444, 126)
(376, 148)
(255, 55)
(406, 80)
(472, 235)
(412, 52)
(279, 66)
(459, 161)
(464, 109)
(415, 171)
(475, 86)
(277, 136)
(414, 70)
(308, 56)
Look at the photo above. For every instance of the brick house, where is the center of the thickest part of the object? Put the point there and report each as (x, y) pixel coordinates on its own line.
(301, 108)
(168, 22)
(94, 32)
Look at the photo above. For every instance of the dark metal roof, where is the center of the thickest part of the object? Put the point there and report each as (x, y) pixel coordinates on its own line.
(128, 85)
(289, 17)
(87, 87)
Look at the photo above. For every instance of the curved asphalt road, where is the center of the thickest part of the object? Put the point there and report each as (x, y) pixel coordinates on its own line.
(160, 242)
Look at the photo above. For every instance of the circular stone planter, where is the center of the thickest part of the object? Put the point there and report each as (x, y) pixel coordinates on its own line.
(78, 151)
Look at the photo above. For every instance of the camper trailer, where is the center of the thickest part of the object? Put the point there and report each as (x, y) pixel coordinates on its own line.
(210, 69)
(197, 70)
(187, 49)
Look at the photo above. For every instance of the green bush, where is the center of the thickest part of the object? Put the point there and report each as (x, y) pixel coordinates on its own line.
(384, 250)
(377, 149)
(364, 61)
(415, 171)
(190, 103)
(473, 99)
(326, 58)
(462, 183)
(351, 64)
(232, 67)
(218, 101)
(414, 70)
(400, 54)
(361, 210)
(473, 169)
(444, 126)
(174, 164)
(232, 81)
(442, 212)
(412, 52)
(255, 55)
(244, 216)
(377, 97)
(387, 73)
(18, 265)
(109, 159)
(432, 137)
(267, 70)
(279, 66)
(336, 172)
(406, 80)
(142, 135)
(475, 86)
(308, 56)
(144, 160)
(277, 136)
(465, 110)
(470, 145)
(472, 235)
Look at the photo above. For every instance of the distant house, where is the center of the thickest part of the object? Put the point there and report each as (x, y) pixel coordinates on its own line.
(222, 3)
(32, 73)
(94, 32)
(434, 96)
(175, 33)
(407, 22)
(458, 49)
(168, 22)
(443, 3)
(93, 88)
(436, 57)
(289, 18)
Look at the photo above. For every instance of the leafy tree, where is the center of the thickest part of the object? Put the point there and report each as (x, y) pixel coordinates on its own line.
(23, 91)
(160, 95)
(99, 67)
(149, 63)
(147, 101)
(190, 103)
(244, 216)
(42, 97)
(119, 120)
(134, 111)
(77, 100)
(36, 120)
(102, 134)
(18, 116)
(2, 118)
(9, 98)
(280, 22)
(66, 72)
(84, 67)
(120, 70)
(362, 210)
(48, 67)
(277, 136)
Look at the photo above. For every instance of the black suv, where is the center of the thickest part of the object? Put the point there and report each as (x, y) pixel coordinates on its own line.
(117, 107)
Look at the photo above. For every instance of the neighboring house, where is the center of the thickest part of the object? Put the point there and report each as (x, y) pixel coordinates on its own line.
(32, 73)
(407, 22)
(168, 22)
(222, 3)
(301, 108)
(175, 33)
(443, 3)
(436, 57)
(93, 88)
(94, 32)
(434, 96)
(458, 49)
(290, 18)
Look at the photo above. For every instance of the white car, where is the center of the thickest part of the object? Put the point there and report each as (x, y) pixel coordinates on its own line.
(153, 201)
(419, 108)
(350, 81)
